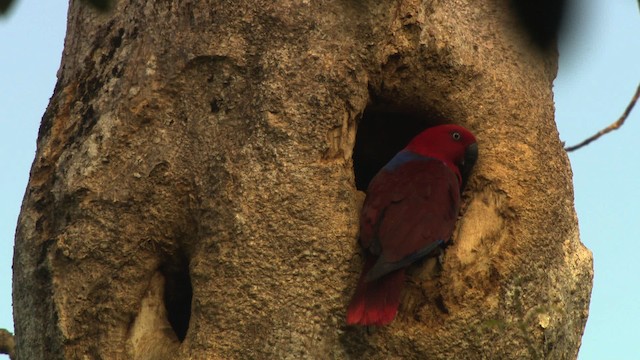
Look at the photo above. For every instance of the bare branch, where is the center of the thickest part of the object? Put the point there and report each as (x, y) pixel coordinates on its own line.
(7, 344)
(615, 126)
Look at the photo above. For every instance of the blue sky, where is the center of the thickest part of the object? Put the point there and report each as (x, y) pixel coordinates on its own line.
(599, 71)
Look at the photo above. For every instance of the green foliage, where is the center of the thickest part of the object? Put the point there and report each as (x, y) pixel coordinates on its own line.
(100, 5)
(5, 5)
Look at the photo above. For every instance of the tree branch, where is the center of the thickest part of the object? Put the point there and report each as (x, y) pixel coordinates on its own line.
(7, 344)
(615, 126)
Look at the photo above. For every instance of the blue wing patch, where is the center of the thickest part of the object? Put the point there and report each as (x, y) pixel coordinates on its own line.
(382, 267)
(403, 157)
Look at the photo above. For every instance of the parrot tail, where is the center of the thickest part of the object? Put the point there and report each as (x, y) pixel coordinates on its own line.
(375, 302)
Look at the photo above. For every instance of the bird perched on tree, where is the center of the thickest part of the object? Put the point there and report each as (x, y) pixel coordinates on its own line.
(410, 211)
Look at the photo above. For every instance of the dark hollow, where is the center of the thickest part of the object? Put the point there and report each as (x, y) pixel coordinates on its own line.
(178, 294)
(381, 135)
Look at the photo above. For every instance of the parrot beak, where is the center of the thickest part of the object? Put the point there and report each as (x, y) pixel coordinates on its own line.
(470, 157)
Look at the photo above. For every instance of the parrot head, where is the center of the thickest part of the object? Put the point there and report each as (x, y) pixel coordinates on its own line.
(453, 144)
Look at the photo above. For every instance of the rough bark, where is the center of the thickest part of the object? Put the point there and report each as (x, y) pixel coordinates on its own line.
(210, 144)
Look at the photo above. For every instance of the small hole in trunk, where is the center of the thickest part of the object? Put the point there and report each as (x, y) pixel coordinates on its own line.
(178, 294)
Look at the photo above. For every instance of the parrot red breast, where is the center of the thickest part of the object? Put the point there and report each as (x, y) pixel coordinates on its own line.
(410, 210)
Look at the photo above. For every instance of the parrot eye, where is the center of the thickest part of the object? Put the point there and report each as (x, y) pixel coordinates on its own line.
(456, 136)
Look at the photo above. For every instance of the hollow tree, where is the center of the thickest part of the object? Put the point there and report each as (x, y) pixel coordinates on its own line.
(201, 165)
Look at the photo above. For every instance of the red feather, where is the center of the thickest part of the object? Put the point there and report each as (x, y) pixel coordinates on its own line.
(376, 302)
(410, 210)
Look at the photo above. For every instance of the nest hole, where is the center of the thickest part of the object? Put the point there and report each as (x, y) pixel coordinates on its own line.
(382, 133)
(178, 293)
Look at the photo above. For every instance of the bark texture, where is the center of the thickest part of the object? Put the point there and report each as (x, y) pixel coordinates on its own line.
(205, 147)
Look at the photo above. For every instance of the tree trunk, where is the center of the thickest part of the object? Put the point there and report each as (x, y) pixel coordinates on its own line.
(195, 192)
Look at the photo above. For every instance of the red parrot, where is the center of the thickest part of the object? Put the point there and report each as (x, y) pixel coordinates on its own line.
(410, 210)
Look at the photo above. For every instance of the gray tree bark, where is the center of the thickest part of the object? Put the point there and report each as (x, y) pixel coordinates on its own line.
(194, 192)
